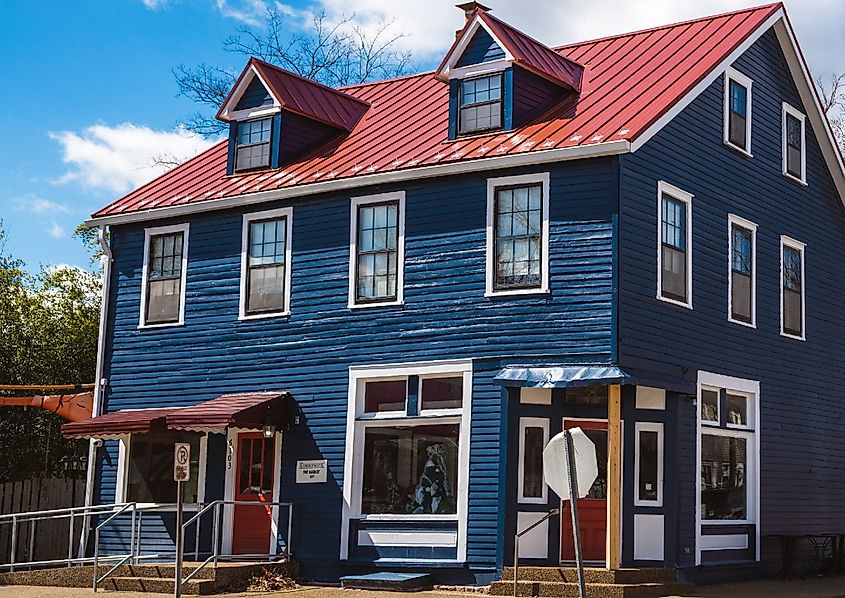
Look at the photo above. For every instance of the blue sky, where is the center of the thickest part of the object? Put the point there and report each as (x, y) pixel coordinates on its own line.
(89, 97)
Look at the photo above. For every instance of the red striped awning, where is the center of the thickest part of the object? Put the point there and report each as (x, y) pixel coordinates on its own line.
(249, 411)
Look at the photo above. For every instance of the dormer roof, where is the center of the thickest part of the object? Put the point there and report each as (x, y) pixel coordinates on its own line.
(296, 94)
(519, 48)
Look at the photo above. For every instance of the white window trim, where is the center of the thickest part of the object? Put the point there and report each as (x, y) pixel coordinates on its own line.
(799, 246)
(151, 232)
(531, 422)
(750, 388)
(492, 185)
(788, 109)
(432, 412)
(750, 416)
(122, 481)
(733, 219)
(400, 249)
(648, 427)
(732, 74)
(287, 214)
(353, 461)
(665, 188)
(449, 68)
(717, 390)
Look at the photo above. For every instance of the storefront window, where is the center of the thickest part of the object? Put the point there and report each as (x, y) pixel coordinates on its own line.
(150, 474)
(382, 396)
(410, 470)
(723, 478)
(442, 393)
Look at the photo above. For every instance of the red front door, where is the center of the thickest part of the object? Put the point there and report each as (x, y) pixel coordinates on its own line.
(253, 483)
(592, 510)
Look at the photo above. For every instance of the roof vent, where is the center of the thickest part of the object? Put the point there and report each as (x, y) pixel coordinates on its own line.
(469, 8)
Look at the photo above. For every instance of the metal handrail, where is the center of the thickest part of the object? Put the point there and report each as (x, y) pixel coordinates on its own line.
(116, 513)
(517, 536)
(32, 517)
(215, 552)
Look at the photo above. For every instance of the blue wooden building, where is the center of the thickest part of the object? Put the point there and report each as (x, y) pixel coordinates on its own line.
(378, 303)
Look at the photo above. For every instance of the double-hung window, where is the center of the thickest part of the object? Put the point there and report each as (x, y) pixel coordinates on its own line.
(792, 288)
(253, 147)
(518, 234)
(794, 144)
(377, 250)
(163, 287)
(480, 104)
(738, 111)
(265, 263)
(742, 275)
(674, 245)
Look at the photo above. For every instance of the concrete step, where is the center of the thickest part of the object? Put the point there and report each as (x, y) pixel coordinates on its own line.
(163, 571)
(550, 589)
(594, 575)
(389, 581)
(198, 587)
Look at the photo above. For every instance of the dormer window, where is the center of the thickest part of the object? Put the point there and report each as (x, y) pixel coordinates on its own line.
(253, 149)
(481, 104)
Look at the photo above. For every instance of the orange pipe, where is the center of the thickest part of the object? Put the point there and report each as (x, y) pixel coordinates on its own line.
(74, 408)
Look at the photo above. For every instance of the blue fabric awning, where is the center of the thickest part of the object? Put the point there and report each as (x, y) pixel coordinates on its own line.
(586, 375)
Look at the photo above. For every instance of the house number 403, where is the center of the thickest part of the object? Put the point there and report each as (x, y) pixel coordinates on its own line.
(230, 451)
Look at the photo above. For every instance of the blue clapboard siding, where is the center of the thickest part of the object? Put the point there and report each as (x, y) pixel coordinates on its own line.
(445, 316)
(803, 413)
(254, 95)
(481, 48)
(532, 96)
(299, 136)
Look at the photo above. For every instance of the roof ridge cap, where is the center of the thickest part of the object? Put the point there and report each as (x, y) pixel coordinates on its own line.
(750, 9)
(334, 90)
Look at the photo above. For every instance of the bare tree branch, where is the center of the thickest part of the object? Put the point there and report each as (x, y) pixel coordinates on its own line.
(333, 53)
(832, 92)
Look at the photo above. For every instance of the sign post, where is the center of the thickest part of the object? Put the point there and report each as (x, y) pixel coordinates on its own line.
(181, 474)
(570, 467)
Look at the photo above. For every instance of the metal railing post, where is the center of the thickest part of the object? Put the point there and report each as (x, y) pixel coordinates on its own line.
(216, 533)
(133, 560)
(290, 531)
(197, 535)
(31, 552)
(14, 549)
(70, 540)
(96, 555)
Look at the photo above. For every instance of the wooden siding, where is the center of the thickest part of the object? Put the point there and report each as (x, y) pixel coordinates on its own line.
(445, 316)
(299, 136)
(803, 411)
(481, 48)
(532, 96)
(254, 95)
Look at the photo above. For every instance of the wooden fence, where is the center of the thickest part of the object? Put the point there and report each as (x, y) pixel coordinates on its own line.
(42, 540)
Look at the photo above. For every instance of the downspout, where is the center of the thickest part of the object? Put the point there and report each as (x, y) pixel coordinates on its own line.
(99, 383)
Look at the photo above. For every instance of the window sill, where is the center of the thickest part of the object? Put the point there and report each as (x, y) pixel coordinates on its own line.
(726, 522)
(688, 305)
(742, 151)
(793, 336)
(526, 500)
(741, 323)
(405, 518)
(165, 325)
(398, 303)
(795, 179)
(649, 504)
(517, 292)
(275, 314)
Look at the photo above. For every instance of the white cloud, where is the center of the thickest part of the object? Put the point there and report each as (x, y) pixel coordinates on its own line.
(248, 12)
(56, 231)
(39, 205)
(119, 158)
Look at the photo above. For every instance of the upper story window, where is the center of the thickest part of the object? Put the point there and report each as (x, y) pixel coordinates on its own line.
(163, 286)
(265, 263)
(518, 234)
(738, 111)
(253, 148)
(674, 245)
(792, 294)
(794, 150)
(480, 104)
(742, 281)
(377, 250)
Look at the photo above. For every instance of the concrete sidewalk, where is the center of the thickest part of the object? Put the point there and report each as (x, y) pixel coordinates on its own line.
(827, 587)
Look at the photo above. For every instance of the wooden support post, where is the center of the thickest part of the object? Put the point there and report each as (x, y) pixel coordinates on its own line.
(614, 476)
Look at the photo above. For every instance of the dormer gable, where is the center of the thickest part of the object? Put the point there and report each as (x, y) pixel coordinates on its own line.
(500, 77)
(276, 116)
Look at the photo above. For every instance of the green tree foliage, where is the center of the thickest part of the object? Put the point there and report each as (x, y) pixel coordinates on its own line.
(48, 335)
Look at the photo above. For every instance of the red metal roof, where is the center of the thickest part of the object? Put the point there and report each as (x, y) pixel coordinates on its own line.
(249, 411)
(631, 81)
(304, 96)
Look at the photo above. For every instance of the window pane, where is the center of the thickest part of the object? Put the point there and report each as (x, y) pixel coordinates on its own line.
(741, 271)
(266, 289)
(518, 248)
(674, 223)
(648, 465)
(737, 408)
(377, 246)
(674, 276)
(163, 300)
(792, 284)
(481, 117)
(599, 488)
(410, 470)
(165, 255)
(385, 396)
(253, 156)
(442, 393)
(741, 297)
(723, 470)
(532, 462)
(738, 114)
(794, 145)
(150, 478)
(709, 406)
